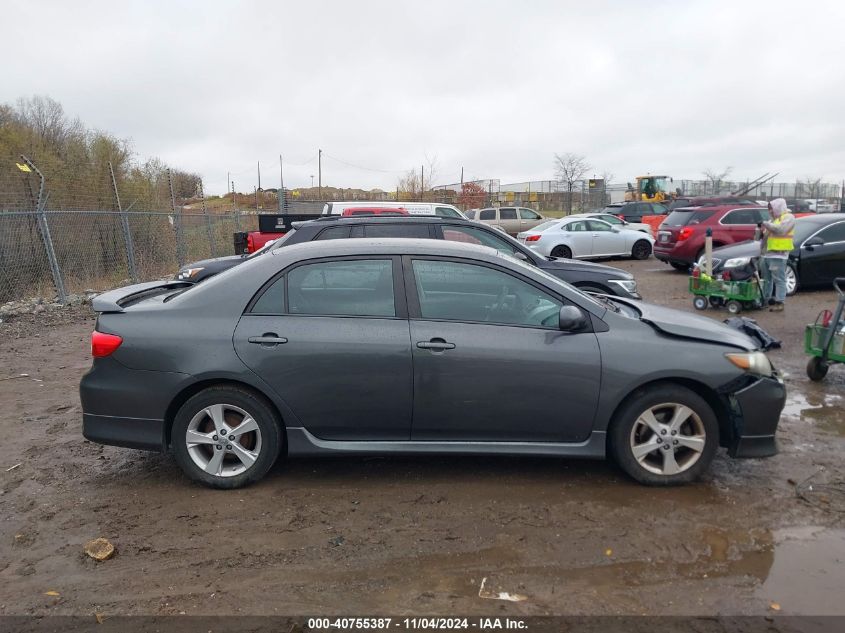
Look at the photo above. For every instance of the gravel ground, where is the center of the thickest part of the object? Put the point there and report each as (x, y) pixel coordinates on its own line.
(413, 535)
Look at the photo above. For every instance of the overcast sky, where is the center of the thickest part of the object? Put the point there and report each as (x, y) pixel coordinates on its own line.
(495, 87)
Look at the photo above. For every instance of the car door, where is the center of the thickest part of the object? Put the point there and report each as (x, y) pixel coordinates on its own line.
(579, 238)
(509, 220)
(606, 241)
(822, 263)
(331, 337)
(490, 363)
(737, 225)
(529, 218)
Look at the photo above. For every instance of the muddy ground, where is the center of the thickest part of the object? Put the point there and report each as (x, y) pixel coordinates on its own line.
(413, 535)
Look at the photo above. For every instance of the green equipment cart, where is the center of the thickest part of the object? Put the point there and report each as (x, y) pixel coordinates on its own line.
(735, 295)
(824, 340)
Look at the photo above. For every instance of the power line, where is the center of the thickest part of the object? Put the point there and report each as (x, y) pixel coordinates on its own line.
(384, 171)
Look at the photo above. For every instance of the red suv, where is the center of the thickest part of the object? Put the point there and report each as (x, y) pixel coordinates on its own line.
(680, 238)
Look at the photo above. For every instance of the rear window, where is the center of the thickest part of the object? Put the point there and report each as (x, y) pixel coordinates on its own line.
(687, 217)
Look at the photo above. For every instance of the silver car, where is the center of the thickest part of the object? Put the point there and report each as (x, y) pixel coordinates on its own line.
(577, 237)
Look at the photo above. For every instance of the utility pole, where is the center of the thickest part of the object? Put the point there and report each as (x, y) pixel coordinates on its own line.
(422, 182)
(281, 186)
(259, 175)
(462, 175)
(319, 174)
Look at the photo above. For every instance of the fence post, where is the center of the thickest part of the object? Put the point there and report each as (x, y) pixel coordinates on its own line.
(177, 223)
(208, 226)
(127, 234)
(235, 210)
(44, 227)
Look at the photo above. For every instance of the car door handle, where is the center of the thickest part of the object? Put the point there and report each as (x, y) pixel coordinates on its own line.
(267, 339)
(435, 344)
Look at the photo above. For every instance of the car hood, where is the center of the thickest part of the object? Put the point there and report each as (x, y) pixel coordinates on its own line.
(559, 263)
(215, 261)
(692, 326)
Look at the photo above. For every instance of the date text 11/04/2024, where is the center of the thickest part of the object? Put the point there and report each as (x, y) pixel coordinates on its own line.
(422, 623)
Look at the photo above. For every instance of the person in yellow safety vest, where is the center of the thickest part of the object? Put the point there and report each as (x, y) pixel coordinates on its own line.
(777, 245)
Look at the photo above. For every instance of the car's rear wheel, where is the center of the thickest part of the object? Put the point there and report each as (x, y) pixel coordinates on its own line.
(791, 280)
(641, 249)
(226, 437)
(562, 251)
(664, 435)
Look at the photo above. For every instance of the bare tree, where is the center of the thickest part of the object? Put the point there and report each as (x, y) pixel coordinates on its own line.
(812, 186)
(570, 168)
(715, 178)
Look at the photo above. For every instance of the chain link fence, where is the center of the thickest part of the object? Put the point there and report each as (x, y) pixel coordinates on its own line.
(85, 239)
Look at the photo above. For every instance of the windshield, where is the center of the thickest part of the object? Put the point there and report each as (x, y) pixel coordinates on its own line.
(685, 217)
(804, 229)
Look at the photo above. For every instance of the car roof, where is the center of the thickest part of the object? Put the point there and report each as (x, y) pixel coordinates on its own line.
(386, 246)
(821, 218)
(376, 219)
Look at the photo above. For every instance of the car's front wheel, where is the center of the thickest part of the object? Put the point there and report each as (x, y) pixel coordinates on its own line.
(664, 435)
(226, 437)
(641, 249)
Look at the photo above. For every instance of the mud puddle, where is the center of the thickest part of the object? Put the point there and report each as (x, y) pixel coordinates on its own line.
(819, 407)
(808, 572)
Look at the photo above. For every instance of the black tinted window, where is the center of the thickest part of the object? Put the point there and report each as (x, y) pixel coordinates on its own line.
(446, 212)
(657, 209)
(835, 233)
(487, 214)
(528, 214)
(473, 235)
(333, 233)
(507, 214)
(687, 217)
(396, 230)
(348, 288)
(741, 216)
(272, 300)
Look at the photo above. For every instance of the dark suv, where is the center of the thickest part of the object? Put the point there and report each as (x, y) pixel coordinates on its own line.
(587, 276)
(680, 239)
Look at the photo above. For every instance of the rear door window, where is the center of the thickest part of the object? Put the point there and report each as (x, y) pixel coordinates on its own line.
(741, 216)
(333, 233)
(487, 214)
(361, 287)
(507, 214)
(687, 217)
(528, 214)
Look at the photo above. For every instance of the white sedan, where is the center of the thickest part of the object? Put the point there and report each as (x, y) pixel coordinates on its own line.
(582, 238)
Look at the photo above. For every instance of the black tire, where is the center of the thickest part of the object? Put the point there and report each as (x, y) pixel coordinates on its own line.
(562, 251)
(268, 437)
(641, 250)
(734, 307)
(699, 303)
(625, 425)
(679, 266)
(816, 369)
(717, 302)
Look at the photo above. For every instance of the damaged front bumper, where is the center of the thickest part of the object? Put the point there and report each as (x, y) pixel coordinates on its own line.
(755, 408)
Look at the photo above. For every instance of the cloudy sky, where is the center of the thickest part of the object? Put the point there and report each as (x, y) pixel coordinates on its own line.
(494, 87)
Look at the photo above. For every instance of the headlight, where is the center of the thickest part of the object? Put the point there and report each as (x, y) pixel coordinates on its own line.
(737, 262)
(188, 273)
(629, 285)
(753, 362)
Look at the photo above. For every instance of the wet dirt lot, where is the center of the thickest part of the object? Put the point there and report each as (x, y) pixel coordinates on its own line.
(414, 535)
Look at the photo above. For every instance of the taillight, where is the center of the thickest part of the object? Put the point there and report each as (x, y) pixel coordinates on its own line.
(685, 233)
(532, 238)
(620, 216)
(103, 344)
(250, 244)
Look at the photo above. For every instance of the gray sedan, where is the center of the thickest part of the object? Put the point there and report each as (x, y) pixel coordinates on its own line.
(417, 346)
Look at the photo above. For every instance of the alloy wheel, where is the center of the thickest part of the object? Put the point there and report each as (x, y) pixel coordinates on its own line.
(791, 280)
(668, 438)
(223, 440)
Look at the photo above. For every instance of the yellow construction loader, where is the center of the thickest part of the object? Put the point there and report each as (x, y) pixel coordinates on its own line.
(650, 189)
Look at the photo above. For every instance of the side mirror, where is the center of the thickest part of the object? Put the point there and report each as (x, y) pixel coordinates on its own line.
(615, 229)
(813, 242)
(520, 256)
(571, 319)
